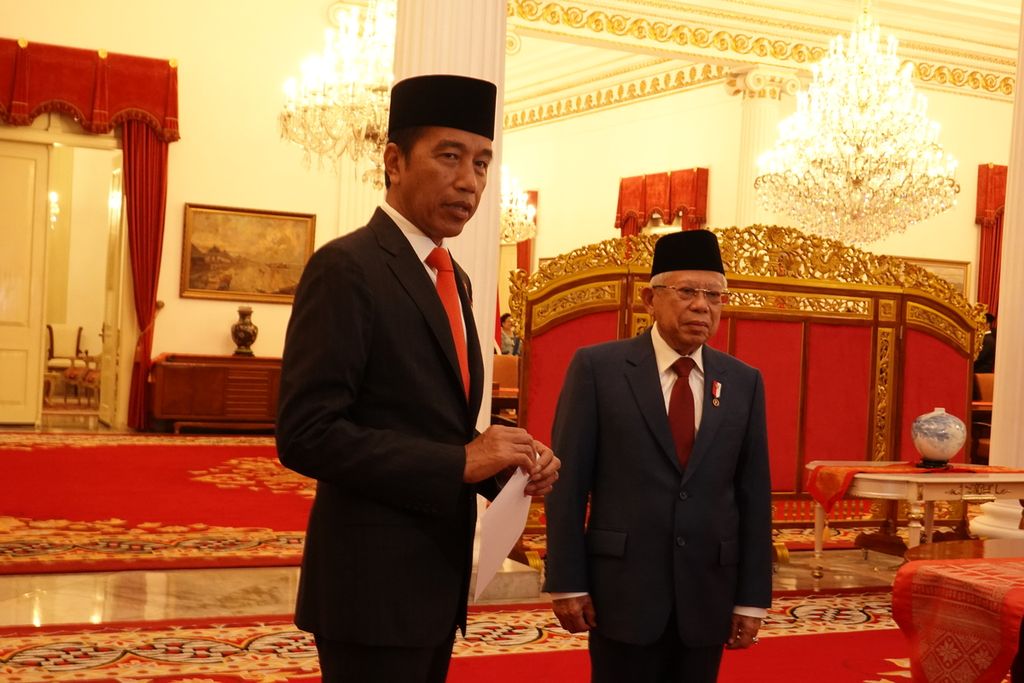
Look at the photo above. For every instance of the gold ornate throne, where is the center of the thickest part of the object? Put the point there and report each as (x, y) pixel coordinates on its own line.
(852, 345)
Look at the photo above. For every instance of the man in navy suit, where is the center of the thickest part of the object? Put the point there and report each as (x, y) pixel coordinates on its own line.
(665, 438)
(381, 383)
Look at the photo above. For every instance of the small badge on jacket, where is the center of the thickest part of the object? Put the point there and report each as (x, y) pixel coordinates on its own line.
(716, 393)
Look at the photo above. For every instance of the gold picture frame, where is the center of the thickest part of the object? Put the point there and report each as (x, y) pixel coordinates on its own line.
(953, 272)
(244, 254)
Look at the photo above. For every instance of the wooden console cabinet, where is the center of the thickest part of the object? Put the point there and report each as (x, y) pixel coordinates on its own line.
(213, 392)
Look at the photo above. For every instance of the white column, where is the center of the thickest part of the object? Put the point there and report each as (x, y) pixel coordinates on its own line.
(357, 200)
(466, 38)
(762, 91)
(1002, 519)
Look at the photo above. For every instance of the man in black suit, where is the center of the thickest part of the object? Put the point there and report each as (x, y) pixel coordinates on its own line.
(986, 360)
(381, 383)
(666, 439)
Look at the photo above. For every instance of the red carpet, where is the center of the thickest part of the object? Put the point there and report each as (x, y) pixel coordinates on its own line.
(108, 503)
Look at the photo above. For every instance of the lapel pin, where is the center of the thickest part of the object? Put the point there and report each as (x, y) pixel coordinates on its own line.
(716, 393)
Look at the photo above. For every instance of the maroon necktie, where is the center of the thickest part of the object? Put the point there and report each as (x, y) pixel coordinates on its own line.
(680, 410)
(441, 261)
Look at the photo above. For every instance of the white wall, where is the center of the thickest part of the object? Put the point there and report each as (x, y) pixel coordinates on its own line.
(576, 163)
(233, 58)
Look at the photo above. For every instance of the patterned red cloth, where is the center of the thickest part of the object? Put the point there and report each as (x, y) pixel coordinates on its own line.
(962, 617)
(828, 483)
(631, 214)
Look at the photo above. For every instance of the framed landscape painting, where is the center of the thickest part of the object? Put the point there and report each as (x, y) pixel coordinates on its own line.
(244, 254)
(953, 272)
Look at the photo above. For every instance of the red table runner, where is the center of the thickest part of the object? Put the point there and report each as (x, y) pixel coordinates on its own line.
(962, 617)
(828, 483)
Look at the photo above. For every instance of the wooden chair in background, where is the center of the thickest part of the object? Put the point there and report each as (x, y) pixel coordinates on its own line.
(981, 417)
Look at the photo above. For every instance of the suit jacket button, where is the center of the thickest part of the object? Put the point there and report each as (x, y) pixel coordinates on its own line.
(680, 541)
(683, 495)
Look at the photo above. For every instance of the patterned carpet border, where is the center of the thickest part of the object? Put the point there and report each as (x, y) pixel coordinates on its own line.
(272, 649)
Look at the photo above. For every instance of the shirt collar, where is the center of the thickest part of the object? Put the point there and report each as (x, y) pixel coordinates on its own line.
(419, 241)
(665, 355)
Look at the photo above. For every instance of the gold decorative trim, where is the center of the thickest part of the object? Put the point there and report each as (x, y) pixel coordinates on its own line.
(938, 323)
(757, 251)
(810, 304)
(963, 78)
(641, 322)
(884, 394)
(643, 29)
(577, 299)
(602, 77)
(615, 96)
(887, 310)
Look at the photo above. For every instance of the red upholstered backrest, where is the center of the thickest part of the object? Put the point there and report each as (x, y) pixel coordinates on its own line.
(847, 366)
(547, 356)
(776, 348)
(935, 375)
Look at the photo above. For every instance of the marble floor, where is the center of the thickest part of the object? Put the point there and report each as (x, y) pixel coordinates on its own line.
(102, 597)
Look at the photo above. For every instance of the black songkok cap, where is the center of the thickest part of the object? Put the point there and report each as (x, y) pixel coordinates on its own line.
(442, 100)
(687, 250)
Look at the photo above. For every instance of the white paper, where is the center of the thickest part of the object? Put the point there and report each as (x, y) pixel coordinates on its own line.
(501, 527)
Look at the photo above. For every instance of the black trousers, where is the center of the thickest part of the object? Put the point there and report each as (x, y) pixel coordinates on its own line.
(667, 660)
(342, 662)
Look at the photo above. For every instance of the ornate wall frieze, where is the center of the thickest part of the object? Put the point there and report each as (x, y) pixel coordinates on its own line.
(614, 96)
(724, 41)
(762, 83)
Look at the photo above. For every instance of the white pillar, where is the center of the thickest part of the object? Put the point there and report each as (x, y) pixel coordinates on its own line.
(762, 90)
(1002, 519)
(357, 200)
(466, 38)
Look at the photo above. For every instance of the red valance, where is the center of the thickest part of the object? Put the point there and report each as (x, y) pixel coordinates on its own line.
(679, 194)
(100, 90)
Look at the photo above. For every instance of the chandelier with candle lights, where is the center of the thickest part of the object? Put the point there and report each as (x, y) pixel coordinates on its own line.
(859, 159)
(518, 216)
(341, 104)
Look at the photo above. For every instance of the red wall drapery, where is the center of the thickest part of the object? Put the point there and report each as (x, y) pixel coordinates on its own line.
(102, 91)
(145, 182)
(679, 194)
(989, 215)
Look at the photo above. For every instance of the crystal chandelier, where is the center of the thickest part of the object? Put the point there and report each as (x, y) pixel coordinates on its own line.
(517, 214)
(859, 159)
(341, 104)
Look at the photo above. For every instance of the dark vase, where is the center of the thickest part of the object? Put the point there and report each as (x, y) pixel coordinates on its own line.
(243, 333)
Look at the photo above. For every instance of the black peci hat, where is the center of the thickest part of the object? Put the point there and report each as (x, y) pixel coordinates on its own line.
(443, 100)
(687, 250)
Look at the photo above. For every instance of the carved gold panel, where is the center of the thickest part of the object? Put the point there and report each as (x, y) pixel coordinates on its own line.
(884, 393)
(590, 296)
(938, 323)
(887, 310)
(640, 323)
(811, 304)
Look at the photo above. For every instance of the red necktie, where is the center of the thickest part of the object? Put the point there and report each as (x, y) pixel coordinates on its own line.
(680, 410)
(441, 261)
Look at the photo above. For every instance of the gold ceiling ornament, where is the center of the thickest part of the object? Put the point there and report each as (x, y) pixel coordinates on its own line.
(518, 216)
(341, 104)
(859, 159)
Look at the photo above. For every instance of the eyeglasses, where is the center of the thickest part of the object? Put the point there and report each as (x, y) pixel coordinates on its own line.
(687, 294)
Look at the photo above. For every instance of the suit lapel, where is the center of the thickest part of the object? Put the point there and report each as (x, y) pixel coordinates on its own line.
(712, 415)
(412, 275)
(645, 382)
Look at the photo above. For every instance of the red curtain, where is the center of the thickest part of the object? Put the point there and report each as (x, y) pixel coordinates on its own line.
(630, 215)
(989, 215)
(145, 182)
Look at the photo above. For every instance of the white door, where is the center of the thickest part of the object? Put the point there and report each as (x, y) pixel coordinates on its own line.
(111, 331)
(23, 174)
